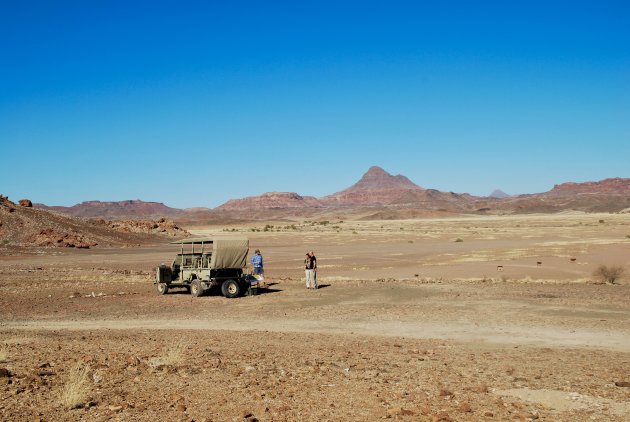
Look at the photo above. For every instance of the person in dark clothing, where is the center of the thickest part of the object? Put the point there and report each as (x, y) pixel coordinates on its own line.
(310, 268)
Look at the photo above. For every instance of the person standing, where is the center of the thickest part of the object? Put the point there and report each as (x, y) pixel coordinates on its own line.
(257, 262)
(310, 268)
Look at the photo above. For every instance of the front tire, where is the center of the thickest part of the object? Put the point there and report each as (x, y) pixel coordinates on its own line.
(162, 288)
(196, 289)
(231, 289)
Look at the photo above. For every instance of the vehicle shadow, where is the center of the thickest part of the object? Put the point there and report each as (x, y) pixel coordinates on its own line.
(268, 290)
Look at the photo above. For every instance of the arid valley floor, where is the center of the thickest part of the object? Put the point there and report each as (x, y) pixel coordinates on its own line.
(460, 319)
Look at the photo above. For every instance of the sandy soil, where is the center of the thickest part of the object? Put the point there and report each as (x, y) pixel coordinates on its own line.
(409, 325)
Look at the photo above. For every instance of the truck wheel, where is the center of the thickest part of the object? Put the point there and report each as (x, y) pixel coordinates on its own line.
(196, 289)
(231, 288)
(162, 288)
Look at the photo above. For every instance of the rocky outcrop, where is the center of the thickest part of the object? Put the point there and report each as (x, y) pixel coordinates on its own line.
(161, 226)
(26, 203)
(7, 204)
(51, 237)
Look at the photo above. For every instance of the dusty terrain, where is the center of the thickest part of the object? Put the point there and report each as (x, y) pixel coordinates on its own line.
(462, 319)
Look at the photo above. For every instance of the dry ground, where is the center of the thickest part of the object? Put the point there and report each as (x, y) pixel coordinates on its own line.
(409, 325)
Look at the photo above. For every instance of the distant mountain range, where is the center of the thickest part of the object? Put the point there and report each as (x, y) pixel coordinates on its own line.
(377, 195)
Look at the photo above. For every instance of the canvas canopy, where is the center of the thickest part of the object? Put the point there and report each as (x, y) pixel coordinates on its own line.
(227, 252)
(230, 253)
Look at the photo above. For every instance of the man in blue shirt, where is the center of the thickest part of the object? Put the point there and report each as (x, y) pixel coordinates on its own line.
(257, 262)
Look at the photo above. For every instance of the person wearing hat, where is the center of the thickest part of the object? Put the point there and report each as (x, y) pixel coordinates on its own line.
(257, 262)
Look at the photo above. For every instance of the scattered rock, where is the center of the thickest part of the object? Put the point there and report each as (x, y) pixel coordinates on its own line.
(115, 408)
(133, 361)
(5, 373)
(181, 407)
(465, 407)
(483, 388)
(441, 417)
(399, 411)
(51, 237)
(622, 383)
(26, 203)
(445, 393)
(97, 378)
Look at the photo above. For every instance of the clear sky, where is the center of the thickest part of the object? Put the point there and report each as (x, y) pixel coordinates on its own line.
(194, 103)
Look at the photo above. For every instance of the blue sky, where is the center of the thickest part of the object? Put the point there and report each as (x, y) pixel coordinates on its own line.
(194, 103)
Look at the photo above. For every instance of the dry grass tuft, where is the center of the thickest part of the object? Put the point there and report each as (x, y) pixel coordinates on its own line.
(607, 274)
(76, 390)
(175, 355)
(4, 354)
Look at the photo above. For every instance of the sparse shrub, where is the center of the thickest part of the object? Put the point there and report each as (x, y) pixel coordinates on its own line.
(608, 274)
(459, 239)
(354, 232)
(76, 390)
(410, 241)
(601, 221)
(628, 236)
(324, 223)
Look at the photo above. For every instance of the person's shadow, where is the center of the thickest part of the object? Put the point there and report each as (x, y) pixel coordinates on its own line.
(322, 286)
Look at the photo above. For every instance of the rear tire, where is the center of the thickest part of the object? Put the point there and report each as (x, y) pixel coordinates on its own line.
(231, 289)
(196, 289)
(162, 288)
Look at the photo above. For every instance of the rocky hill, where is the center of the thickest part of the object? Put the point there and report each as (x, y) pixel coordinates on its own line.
(271, 200)
(21, 225)
(498, 194)
(607, 187)
(375, 187)
(116, 209)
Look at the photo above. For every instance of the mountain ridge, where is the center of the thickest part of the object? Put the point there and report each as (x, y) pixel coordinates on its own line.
(376, 191)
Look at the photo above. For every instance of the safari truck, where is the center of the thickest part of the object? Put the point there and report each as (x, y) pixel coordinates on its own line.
(207, 263)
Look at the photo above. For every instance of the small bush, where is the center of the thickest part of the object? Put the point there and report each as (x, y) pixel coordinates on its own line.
(459, 239)
(608, 274)
(76, 390)
(601, 221)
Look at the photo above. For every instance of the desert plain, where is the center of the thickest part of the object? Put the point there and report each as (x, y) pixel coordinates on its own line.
(445, 319)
